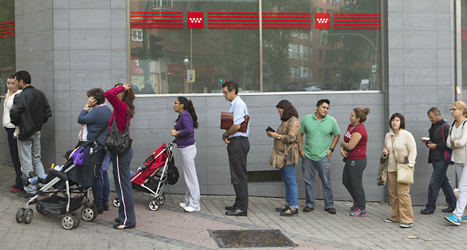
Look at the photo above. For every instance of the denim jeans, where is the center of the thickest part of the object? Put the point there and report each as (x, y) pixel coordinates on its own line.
(101, 190)
(438, 181)
(291, 189)
(29, 152)
(13, 145)
(323, 167)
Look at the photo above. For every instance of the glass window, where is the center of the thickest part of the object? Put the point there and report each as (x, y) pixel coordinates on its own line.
(7, 43)
(216, 40)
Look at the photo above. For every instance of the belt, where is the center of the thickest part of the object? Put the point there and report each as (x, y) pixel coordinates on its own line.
(232, 138)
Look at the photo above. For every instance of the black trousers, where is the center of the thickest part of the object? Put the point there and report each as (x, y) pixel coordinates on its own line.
(237, 150)
(352, 178)
(12, 143)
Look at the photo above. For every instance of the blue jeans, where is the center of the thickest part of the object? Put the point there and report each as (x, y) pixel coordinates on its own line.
(101, 190)
(291, 189)
(29, 152)
(438, 181)
(323, 167)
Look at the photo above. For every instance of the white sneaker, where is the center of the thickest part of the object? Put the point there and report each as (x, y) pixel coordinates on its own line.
(190, 209)
(183, 205)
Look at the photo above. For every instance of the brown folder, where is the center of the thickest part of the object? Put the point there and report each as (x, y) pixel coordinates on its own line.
(227, 121)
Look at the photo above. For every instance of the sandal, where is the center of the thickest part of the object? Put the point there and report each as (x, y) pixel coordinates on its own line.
(117, 226)
(282, 209)
(290, 212)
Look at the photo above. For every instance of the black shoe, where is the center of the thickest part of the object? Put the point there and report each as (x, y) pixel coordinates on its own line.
(426, 211)
(42, 181)
(25, 180)
(282, 209)
(236, 212)
(448, 210)
(106, 206)
(290, 212)
(117, 220)
(26, 195)
(230, 207)
(308, 209)
(99, 209)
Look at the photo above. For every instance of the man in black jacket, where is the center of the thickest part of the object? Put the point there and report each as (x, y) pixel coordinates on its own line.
(438, 132)
(29, 112)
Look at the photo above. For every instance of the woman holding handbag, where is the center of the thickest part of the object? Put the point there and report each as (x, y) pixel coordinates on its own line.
(184, 129)
(353, 148)
(286, 140)
(400, 147)
(457, 141)
(121, 98)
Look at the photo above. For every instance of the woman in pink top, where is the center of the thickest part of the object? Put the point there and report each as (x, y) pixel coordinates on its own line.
(121, 97)
(353, 149)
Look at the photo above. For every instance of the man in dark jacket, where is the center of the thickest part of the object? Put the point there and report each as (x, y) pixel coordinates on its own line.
(29, 112)
(438, 132)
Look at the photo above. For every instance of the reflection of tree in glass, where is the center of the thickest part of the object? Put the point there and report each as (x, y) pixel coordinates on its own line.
(355, 50)
(7, 44)
(276, 44)
(237, 49)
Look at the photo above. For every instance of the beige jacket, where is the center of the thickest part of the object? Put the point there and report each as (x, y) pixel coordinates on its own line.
(404, 146)
(459, 135)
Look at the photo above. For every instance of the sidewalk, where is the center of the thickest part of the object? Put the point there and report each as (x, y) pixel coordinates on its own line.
(172, 228)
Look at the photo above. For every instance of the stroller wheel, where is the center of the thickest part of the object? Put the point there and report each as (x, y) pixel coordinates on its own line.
(68, 222)
(154, 205)
(116, 202)
(88, 213)
(39, 209)
(27, 217)
(19, 215)
(76, 219)
(161, 199)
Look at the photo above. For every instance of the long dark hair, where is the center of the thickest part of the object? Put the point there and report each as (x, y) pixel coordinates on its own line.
(188, 106)
(128, 98)
(289, 110)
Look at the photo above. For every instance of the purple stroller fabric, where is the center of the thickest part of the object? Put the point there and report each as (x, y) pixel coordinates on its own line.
(78, 157)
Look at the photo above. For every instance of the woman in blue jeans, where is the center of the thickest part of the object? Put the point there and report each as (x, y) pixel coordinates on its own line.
(286, 140)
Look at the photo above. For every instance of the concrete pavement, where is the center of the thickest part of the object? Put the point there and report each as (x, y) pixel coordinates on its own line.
(172, 228)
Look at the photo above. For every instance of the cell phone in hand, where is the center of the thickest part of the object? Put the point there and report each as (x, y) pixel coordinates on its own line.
(269, 129)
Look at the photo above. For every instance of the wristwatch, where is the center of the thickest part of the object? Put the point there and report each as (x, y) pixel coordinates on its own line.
(278, 137)
(332, 150)
(88, 106)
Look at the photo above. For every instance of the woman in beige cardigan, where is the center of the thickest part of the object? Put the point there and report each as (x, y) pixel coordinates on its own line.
(399, 144)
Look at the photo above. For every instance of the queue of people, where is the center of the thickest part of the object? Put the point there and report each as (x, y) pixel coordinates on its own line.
(321, 133)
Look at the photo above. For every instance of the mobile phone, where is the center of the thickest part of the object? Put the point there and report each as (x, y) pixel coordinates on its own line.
(406, 160)
(269, 129)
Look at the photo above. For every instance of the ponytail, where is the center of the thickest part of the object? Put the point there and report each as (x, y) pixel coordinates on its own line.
(188, 106)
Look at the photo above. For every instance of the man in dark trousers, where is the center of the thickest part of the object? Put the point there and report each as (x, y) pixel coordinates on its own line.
(29, 112)
(438, 132)
(237, 148)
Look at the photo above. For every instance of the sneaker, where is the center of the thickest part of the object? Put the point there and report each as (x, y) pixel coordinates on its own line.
(389, 220)
(406, 225)
(358, 213)
(464, 219)
(354, 206)
(183, 205)
(190, 209)
(452, 219)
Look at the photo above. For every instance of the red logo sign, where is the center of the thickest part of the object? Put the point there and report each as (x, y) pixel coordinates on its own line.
(322, 20)
(195, 20)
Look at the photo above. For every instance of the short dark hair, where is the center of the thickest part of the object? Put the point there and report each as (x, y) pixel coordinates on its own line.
(23, 75)
(98, 94)
(401, 117)
(320, 102)
(231, 85)
(289, 110)
(11, 77)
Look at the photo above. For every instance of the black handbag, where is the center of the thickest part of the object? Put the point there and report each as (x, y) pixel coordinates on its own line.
(118, 142)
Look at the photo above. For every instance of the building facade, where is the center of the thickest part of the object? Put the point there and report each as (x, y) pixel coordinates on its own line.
(410, 61)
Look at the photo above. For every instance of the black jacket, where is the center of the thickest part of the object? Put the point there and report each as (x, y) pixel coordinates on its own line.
(30, 111)
(436, 137)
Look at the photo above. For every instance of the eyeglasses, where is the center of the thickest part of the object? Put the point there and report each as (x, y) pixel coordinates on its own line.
(453, 109)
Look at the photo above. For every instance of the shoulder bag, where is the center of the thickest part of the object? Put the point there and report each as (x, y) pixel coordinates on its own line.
(448, 152)
(404, 171)
(119, 142)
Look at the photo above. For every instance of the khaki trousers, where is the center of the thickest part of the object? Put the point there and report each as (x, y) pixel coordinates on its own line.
(400, 200)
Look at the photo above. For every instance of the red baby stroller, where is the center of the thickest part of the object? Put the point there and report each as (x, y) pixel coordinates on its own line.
(159, 170)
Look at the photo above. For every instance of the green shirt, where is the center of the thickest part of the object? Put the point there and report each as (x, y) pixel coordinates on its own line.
(318, 135)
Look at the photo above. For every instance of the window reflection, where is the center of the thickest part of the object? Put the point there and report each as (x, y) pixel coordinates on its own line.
(7, 43)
